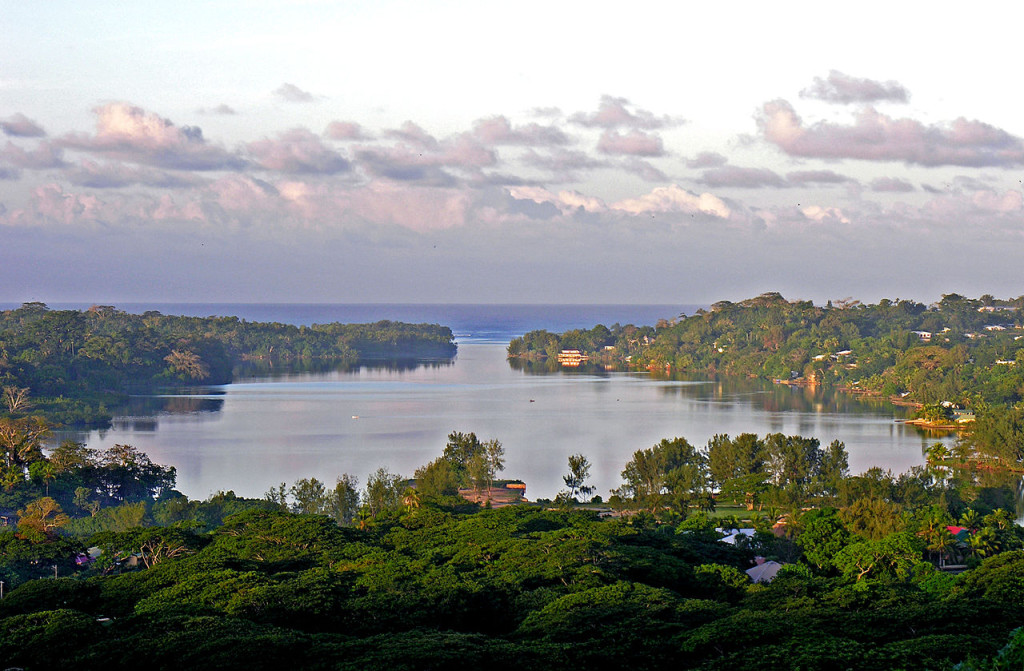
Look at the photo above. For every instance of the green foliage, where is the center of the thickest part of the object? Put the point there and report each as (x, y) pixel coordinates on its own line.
(823, 537)
(942, 352)
(45, 639)
(672, 475)
(516, 587)
(1010, 657)
(75, 364)
(998, 432)
(116, 519)
(437, 479)
(890, 558)
(617, 624)
(999, 579)
(383, 491)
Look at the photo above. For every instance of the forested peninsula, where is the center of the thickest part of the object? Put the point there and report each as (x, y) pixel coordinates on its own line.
(73, 367)
(958, 349)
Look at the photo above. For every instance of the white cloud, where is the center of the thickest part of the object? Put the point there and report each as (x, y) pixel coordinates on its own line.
(674, 199)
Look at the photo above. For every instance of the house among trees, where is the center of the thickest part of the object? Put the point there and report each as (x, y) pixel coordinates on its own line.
(571, 357)
(503, 493)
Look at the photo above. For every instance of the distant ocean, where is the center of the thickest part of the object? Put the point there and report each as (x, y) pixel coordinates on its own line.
(484, 323)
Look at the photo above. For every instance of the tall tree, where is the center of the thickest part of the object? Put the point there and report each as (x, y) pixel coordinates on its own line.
(494, 454)
(344, 499)
(21, 440)
(438, 478)
(128, 474)
(576, 478)
(309, 496)
(383, 491)
(41, 518)
(460, 449)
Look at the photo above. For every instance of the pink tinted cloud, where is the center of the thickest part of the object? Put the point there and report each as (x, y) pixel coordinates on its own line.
(133, 134)
(825, 214)
(567, 202)
(19, 125)
(498, 130)
(978, 207)
(165, 209)
(228, 197)
(49, 203)
(674, 199)
(410, 206)
(633, 143)
(297, 151)
(615, 113)
(842, 88)
(345, 130)
(46, 155)
(876, 137)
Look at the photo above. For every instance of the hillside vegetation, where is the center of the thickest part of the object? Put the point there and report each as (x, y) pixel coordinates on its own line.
(959, 350)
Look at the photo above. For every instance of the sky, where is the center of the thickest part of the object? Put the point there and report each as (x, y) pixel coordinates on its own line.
(527, 152)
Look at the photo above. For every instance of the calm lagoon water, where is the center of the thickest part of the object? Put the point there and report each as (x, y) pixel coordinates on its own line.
(258, 432)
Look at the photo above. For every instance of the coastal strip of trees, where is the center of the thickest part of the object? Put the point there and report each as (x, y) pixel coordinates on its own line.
(73, 367)
(959, 350)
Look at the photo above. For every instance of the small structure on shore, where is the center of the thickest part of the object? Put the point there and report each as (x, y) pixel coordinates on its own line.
(503, 493)
(572, 357)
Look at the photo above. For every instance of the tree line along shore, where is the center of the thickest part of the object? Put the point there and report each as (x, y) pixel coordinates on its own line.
(74, 367)
(959, 350)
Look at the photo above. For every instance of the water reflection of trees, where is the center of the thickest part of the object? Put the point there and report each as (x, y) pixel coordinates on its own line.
(198, 401)
(551, 366)
(270, 370)
(771, 397)
(759, 393)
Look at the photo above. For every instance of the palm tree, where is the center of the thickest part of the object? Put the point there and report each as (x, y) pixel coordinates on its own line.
(941, 543)
(760, 522)
(411, 498)
(1000, 519)
(48, 474)
(983, 543)
(793, 522)
(730, 523)
(970, 519)
(936, 454)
